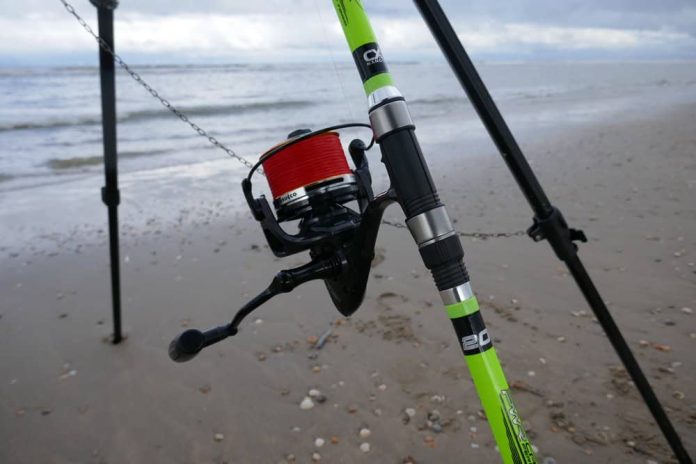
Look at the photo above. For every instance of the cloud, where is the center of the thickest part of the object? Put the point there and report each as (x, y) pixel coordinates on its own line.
(570, 38)
(268, 30)
(490, 36)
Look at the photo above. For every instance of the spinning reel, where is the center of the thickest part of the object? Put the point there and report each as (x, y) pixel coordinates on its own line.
(312, 185)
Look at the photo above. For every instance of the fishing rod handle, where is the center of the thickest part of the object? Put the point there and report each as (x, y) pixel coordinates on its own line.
(394, 131)
(426, 217)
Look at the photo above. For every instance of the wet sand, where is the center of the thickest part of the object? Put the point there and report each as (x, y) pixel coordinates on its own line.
(67, 395)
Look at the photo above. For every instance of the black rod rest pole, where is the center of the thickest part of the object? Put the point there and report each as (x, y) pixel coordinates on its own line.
(548, 220)
(110, 193)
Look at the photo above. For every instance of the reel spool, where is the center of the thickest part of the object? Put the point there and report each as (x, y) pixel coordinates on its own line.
(307, 177)
(311, 181)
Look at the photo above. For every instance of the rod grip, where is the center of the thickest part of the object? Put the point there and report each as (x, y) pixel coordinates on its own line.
(408, 172)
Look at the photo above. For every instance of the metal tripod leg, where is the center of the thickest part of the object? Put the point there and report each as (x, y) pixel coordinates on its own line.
(549, 223)
(110, 192)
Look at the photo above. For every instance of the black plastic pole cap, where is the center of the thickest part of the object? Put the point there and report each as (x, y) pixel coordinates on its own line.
(187, 345)
(108, 4)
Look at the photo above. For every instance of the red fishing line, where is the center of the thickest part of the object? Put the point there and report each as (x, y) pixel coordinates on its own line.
(307, 162)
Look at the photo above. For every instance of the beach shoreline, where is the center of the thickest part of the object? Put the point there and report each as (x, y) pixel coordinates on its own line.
(67, 396)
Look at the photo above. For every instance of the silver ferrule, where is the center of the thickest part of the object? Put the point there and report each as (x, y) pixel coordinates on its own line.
(430, 226)
(383, 93)
(457, 294)
(390, 117)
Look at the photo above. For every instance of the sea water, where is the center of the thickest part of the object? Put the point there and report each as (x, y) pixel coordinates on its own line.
(50, 121)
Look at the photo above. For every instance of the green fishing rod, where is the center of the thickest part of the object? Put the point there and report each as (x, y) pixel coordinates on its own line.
(311, 181)
(430, 225)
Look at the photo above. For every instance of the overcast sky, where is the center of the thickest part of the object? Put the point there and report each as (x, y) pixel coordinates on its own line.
(174, 31)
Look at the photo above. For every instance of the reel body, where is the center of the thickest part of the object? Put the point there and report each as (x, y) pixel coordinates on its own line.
(311, 182)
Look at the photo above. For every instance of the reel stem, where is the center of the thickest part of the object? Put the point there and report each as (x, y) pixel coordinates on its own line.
(189, 343)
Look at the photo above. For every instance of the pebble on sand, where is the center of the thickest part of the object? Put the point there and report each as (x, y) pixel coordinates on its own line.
(219, 437)
(686, 310)
(316, 457)
(410, 412)
(365, 447)
(365, 432)
(70, 373)
(306, 403)
(319, 442)
(317, 395)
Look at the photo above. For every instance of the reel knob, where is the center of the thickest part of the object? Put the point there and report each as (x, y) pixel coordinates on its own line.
(187, 345)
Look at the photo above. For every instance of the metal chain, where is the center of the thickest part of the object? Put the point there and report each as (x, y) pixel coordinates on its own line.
(166, 103)
(203, 133)
(478, 235)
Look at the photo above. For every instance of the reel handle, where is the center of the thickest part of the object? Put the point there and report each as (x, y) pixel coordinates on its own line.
(188, 344)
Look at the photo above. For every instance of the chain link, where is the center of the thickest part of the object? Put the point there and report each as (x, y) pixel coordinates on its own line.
(203, 133)
(477, 235)
(138, 78)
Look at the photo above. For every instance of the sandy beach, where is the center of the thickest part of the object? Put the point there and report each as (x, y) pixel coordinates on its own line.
(395, 369)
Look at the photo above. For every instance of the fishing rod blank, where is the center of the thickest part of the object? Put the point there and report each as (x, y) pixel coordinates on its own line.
(430, 225)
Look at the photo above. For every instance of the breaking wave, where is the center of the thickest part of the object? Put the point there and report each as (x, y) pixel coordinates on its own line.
(60, 164)
(161, 113)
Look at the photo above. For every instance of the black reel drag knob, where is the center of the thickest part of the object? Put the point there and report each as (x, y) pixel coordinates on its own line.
(187, 345)
(298, 132)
